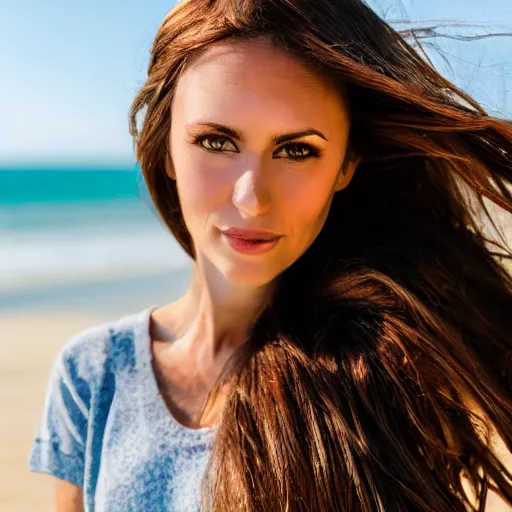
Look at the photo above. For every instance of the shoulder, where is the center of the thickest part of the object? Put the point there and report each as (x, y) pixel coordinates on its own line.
(82, 384)
(105, 346)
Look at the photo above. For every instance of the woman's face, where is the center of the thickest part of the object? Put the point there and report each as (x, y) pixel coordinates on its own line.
(238, 164)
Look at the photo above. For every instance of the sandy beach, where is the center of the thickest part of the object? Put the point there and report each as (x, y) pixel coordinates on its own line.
(34, 324)
(30, 341)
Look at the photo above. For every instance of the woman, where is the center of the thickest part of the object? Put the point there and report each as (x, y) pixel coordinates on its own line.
(356, 355)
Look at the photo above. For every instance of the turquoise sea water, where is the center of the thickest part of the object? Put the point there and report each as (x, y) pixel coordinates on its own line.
(55, 220)
(22, 186)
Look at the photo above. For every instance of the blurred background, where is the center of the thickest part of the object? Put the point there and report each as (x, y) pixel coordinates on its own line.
(79, 242)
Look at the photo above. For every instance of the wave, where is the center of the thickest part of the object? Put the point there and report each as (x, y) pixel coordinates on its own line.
(41, 243)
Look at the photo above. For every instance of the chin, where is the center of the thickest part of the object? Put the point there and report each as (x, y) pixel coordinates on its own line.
(254, 275)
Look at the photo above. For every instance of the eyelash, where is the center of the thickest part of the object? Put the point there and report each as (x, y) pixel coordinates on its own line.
(312, 152)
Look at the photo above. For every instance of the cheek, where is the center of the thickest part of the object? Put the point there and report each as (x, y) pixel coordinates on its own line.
(308, 201)
(201, 188)
(196, 180)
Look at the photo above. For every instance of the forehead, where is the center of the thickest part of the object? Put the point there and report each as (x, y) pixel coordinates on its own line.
(258, 76)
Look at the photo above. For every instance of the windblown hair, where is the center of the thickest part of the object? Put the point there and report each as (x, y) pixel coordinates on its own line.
(373, 380)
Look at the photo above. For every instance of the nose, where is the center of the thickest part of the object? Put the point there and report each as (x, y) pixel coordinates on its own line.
(251, 195)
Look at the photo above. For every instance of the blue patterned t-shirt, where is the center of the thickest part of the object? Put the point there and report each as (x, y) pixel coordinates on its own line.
(106, 427)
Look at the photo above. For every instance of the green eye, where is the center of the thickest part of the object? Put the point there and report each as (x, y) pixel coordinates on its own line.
(299, 151)
(216, 144)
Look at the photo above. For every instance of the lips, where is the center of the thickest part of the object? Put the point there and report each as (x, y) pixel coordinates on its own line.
(250, 234)
(251, 246)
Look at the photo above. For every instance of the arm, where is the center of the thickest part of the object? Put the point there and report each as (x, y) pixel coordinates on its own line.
(59, 444)
(68, 497)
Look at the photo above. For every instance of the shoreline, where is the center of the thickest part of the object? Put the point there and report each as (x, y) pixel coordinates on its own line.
(116, 291)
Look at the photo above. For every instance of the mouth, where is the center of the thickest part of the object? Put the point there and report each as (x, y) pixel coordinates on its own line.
(251, 235)
(254, 240)
(251, 245)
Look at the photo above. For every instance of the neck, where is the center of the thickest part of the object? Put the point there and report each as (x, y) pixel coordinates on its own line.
(214, 316)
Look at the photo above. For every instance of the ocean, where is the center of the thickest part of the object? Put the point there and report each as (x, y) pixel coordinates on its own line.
(79, 224)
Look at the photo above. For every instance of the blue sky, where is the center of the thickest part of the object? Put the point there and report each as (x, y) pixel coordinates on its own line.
(69, 70)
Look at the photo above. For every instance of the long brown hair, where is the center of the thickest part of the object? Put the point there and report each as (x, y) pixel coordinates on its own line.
(373, 379)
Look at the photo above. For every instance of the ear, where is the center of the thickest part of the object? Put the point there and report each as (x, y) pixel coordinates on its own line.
(346, 173)
(169, 167)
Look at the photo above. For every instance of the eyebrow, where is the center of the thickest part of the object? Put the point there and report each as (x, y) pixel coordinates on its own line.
(275, 139)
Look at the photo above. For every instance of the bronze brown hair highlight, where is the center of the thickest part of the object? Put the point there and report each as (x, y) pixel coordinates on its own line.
(374, 379)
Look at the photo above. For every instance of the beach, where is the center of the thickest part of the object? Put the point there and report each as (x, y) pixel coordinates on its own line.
(78, 247)
(34, 325)
(29, 342)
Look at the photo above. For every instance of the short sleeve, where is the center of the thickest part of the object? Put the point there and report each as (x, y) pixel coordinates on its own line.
(59, 444)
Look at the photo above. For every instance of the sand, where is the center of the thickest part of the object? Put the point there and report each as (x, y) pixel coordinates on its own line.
(34, 324)
(31, 334)
(30, 341)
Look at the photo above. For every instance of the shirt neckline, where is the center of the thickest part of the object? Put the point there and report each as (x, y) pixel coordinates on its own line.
(151, 391)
